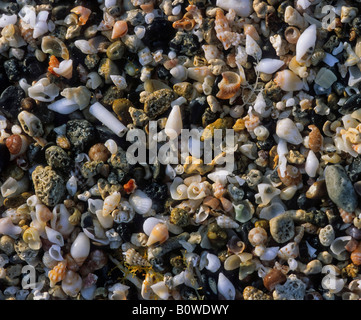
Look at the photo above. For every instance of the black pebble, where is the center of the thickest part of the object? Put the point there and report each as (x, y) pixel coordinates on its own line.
(13, 69)
(4, 156)
(158, 34)
(10, 101)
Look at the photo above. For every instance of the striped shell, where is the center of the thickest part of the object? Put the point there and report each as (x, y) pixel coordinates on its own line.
(57, 273)
(226, 222)
(257, 236)
(229, 85)
(134, 258)
(224, 32)
(315, 138)
(110, 203)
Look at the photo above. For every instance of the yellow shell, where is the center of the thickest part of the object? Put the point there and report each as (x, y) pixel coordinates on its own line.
(229, 85)
(57, 273)
(32, 238)
(110, 203)
(159, 234)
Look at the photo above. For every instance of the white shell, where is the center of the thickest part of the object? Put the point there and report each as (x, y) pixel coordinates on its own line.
(63, 106)
(119, 81)
(219, 176)
(226, 222)
(72, 283)
(105, 221)
(72, 185)
(60, 220)
(179, 72)
(65, 69)
(55, 253)
(54, 236)
(267, 192)
(290, 250)
(94, 80)
(95, 204)
(198, 190)
(268, 65)
(124, 213)
(140, 202)
(6, 19)
(225, 287)
(85, 47)
(41, 27)
(118, 291)
(252, 48)
(286, 129)
(80, 248)
(111, 145)
(161, 290)
(338, 245)
(149, 224)
(174, 123)
(8, 228)
(243, 8)
(201, 215)
(269, 254)
(312, 164)
(178, 190)
(306, 43)
(212, 262)
(43, 90)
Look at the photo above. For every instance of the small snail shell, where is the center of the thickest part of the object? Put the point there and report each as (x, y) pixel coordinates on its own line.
(356, 255)
(257, 236)
(80, 248)
(134, 258)
(72, 283)
(229, 85)
(225, 287)
(120, 29)
(110, 203)
(159, 234)
(54, 236)
(32, 238)
(43, 213)
(57, 273)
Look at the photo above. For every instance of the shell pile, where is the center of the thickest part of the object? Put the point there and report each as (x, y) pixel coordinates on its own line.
(80, 220)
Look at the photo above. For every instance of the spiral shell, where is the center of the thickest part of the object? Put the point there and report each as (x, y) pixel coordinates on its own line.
(198, 190)
(57, 274)
(110, 203)
(257, 236)
(187, 23)
(292, 176)
(64, 69)
(54, 46)
(224, 32)
(315, 139)
(229, 85)
(292, 34)
(32, 238)
(159, 234)
(226, 222)
(287, 80)
(134, 258)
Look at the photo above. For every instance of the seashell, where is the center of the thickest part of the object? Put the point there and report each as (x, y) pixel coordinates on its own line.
(252, 48)
(159, 234)
(201, 215)
(178, 190)
(32, 238)
(110, 203)
(257, 236)
(294, 18)
(286, 129)
(41, 26)
(79, 95)
(94, 80)
(174, 124)
(8, 228)
(63, 106)
(291, 176)
(267, 192)
(55, 253)
(80, 248)
(232, 262)
(338, 245)
(105, 221)
(268, 65)
(235, 245)
(161, 290)
(54, 46)
(111, 145)
(65, 69)
(225, 287)
(72, 283)
(57, 274)
(315, 139)
(226, 222)
(96, 237)
(288, 80)
(306, 44)
(85, 46)
(312, 164)
(120, 29)
(224, 32)
(140, 202)
(212, 262)
(229, 85)
(269, 254)
(292, 34)
(43, 213)
(199, 190)
(60, 220)
(133, 258)
(290, 250)
(43, 91)
(299, 69)
(54, 236)
(244, 211)
(83, 12)
(124, 213)
(118, 291)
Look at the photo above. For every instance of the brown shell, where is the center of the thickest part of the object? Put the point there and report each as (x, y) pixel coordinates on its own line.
(273, 278)
(356, 256)
(292, 176)
(347, 217)
(187, 23)
(14, 143)
(315, 138)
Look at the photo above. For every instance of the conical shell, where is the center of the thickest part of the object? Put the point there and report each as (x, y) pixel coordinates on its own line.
(57, 273)
(134, 258)
(306, 44)
(226, 222)
(110, 203)
(80, 248)
(159, 234)
(174, 123)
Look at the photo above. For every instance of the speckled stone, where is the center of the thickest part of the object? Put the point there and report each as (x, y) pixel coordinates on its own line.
(80, 133)
(292, 289)
(340, 188)
(158, 102)
(282, 228)
(57, 158)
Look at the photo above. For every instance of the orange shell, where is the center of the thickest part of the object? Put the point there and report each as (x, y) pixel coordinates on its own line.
(226, 204)
(229, 85)
(218, 189)
(58, 272)
(211, 202)
(130, 186)
(292, 176)
(356, 255)
(315, 138)
(14, 143)
(273, 278)
(120, 29)
(187, 23)
(159, 234)
(83, 12)
(347, 217)
(53, 63)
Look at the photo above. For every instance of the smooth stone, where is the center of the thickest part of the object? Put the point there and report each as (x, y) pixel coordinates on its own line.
(340, 188)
